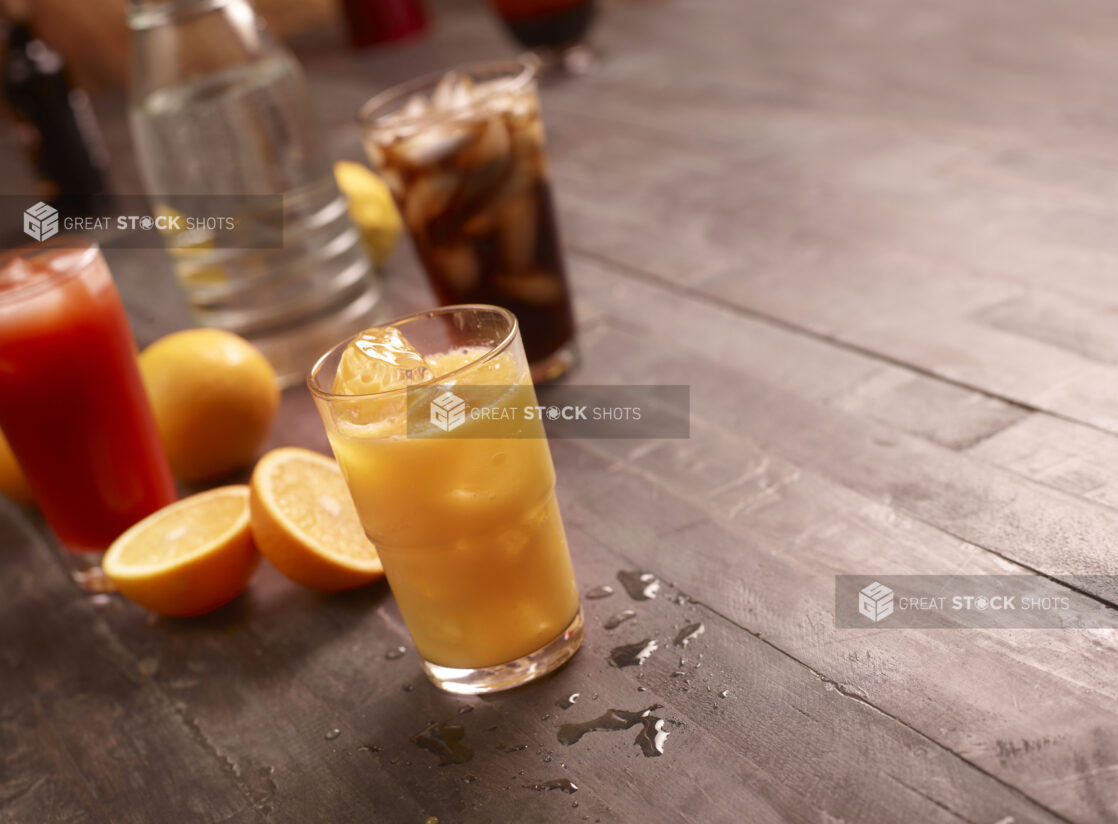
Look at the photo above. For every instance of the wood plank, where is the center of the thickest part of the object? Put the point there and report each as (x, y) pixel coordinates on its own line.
(84, 736)
(771, 573)
(1060, 454)
(943, 413)
(265, 680)
(830, 257)
(956, 493)
(855, 382)
(991, 507)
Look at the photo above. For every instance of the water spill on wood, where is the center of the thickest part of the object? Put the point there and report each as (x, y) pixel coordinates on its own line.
(619, 618)
(689, 633)
(332, 734)
(650, 738)
(562, 784)
(398, 652)
(568, 702)
(632, 655)
(603, 591)
(444, 740)
(641, 586)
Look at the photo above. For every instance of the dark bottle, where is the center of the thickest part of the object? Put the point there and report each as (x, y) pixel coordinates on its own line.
(556, 24)
(55, 121)
(378, 21)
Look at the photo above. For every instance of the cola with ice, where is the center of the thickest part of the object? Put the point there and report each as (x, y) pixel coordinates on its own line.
(465, 159)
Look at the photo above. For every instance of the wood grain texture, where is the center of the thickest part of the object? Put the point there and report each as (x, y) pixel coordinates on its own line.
(877, 242)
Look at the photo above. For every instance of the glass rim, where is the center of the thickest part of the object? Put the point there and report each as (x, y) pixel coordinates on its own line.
(524, 68)
(86, 251)
(426, 314)
(147, 14)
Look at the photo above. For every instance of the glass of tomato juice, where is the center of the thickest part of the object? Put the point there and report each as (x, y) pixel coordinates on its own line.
(72, 404)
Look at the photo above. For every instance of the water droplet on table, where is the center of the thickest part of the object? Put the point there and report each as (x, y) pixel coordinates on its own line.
(393, 654)
(469, 779)
(566, 703)
(724, 694)
(444, 740)
(562, 784)
(619, 618)
(408, 687)
(600, 592)
(518, 748)
(650, 738)
(689, 633)
(369, 748)
(332, 734)
(641, 586)
(630, 655)
(464, 710)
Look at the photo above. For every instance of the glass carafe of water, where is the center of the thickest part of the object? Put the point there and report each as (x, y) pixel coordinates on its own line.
(219, 111)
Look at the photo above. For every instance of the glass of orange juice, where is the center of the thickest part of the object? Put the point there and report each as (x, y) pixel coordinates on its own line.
(466, 521)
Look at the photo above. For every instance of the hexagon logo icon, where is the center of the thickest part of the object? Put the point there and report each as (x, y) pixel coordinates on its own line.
(875, 601)
(448, 411)
(40, 221)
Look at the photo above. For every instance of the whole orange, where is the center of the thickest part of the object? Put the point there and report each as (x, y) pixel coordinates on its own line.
(215, 399)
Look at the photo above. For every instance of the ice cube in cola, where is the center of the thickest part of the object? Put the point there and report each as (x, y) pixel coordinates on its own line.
(468, 170)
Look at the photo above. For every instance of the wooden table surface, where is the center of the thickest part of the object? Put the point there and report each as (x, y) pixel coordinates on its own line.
(878, 241)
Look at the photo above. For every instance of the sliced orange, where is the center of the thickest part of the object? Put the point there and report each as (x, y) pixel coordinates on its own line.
(188, 558)
(304, 522)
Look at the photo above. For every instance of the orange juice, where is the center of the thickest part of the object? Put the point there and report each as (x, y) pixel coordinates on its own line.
(468, 526)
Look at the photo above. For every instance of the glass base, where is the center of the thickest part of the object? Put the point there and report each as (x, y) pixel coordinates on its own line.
(558, 63)
(85, 570)
(547, 658)
(555, 365)
(579, 59)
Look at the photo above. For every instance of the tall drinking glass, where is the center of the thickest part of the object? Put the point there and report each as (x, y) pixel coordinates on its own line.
(466, 522)
(554, 29)
(72, 403)
(464, 156)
